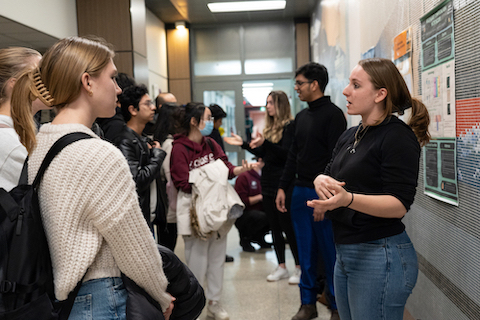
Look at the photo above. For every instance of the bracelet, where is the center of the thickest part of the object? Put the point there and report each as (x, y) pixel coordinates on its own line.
(350, 201)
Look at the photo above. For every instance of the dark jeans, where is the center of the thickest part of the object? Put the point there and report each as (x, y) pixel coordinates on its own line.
(315, 240)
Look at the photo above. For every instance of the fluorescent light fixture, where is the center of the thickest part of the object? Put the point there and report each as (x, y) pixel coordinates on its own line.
(257, 84)
(237, 6)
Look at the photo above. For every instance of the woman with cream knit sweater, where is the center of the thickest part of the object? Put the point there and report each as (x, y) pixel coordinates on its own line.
(87, 196)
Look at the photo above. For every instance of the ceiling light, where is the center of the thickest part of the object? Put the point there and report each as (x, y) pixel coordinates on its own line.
(180, 25)
(237, 6)
(257, 84)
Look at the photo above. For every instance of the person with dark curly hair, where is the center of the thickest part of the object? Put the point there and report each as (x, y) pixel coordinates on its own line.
(145, 157)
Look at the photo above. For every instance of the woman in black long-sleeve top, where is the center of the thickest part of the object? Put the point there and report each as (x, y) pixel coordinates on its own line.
(273, 148)
(367, 189)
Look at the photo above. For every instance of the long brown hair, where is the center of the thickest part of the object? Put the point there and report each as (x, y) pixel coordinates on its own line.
(57, 80)
(13, 61)
(274, 125)
(384, 74)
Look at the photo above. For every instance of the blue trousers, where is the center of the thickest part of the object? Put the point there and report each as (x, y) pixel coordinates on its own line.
(100, 299)
(314, 240)
(374, 279)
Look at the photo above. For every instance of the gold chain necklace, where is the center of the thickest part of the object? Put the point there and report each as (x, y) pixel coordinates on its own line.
(361, 131)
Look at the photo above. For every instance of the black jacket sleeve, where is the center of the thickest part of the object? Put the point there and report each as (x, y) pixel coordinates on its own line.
(291, 165)
(280, 150)
(143, 175)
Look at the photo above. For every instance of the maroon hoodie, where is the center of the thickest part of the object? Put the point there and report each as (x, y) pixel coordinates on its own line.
(188, 155)
(248, 185)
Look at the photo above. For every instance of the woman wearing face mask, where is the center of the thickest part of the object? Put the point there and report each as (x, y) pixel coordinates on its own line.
(193, 149)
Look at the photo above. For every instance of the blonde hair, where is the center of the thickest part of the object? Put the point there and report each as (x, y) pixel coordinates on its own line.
(13, 61)
(274, 124)
(384, 74)
(57, 80)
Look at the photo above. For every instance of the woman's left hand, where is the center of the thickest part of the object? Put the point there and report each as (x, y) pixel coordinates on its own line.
(245, 167)
(249, 166)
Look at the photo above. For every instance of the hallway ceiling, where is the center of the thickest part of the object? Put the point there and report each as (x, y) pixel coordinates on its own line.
(193, 11)
(196, 12)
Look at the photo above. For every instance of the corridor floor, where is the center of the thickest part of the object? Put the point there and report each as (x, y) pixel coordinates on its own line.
(246, 293)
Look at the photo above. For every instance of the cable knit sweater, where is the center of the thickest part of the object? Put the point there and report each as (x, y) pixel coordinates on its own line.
(12, 154)
(91, 215)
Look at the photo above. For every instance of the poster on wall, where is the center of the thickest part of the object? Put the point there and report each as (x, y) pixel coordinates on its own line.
(402, 56)
(370, 53)
(438, 94)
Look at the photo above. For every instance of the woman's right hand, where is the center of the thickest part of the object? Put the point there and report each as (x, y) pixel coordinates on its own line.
(169, 310)
(234, 140)
(280, 201)
(324, 186)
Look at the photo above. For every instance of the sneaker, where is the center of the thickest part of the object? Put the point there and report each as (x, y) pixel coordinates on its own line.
(277, 274)
(295, 277)
(216, 311)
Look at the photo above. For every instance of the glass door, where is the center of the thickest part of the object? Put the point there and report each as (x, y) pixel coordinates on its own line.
(244, 102)
(228, 96)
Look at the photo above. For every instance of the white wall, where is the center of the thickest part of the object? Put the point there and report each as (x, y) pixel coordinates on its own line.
(57, 18)
(157, 55)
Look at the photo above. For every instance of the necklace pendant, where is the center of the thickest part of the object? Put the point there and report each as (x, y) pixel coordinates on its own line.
(352, 151)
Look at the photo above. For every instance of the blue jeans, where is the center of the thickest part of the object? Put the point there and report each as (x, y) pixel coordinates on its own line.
(100, 299)
(313, 239)
(374, 279)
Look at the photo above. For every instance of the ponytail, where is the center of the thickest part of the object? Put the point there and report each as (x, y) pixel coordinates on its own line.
(419, 121)
(29, 87)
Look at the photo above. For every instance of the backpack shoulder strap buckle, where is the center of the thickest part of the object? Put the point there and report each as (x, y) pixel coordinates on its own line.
(8, 286)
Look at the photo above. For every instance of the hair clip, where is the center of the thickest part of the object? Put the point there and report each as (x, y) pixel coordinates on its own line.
(43, 93)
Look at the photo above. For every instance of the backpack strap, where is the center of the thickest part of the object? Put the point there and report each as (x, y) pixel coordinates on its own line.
(210, 144)
(55, 149)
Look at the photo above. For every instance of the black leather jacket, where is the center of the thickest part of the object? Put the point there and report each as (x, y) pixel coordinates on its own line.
(182, 285)
(144, 163)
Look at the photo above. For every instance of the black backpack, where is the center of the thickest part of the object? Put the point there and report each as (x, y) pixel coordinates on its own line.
(26, 279)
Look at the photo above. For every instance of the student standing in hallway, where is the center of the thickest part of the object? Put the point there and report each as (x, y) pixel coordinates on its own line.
(273, 147)
(144, 158)
(87, 197)
(13, 61)
(367, 189)
(192, 149)
(316, 131)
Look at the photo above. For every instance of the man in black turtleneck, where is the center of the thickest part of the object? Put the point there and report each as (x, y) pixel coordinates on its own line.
(317, 129)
